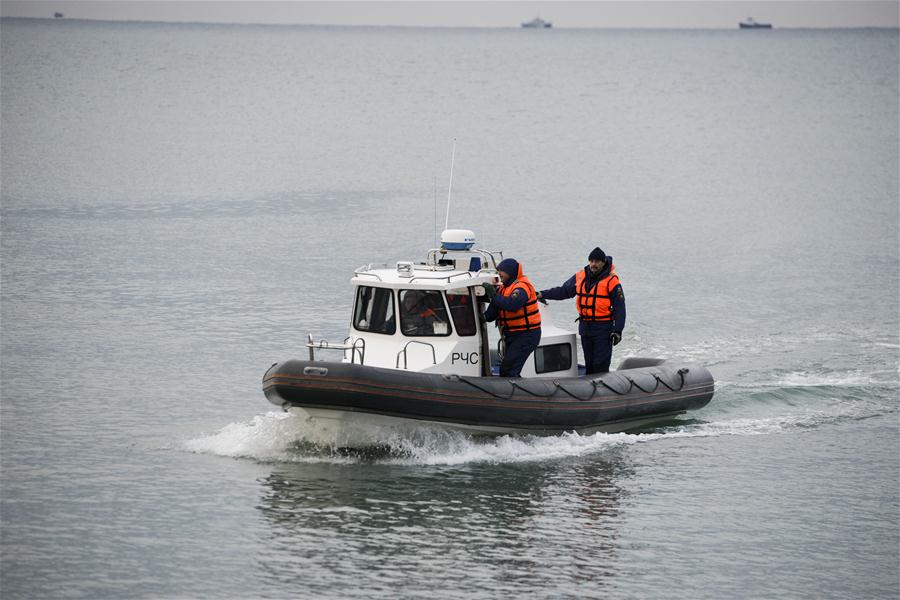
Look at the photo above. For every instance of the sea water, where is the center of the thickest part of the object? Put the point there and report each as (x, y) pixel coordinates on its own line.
(182, 204)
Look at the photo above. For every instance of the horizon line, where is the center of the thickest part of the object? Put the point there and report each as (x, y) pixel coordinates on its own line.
(486, 27)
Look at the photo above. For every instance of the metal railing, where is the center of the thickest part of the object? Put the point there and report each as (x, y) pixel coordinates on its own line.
(447, 278)
(403, 352)
(375, 275)
(358, 347)
(488, 256)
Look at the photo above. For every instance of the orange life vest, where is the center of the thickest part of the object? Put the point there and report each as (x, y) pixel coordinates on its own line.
(594, 304)
(527, 317)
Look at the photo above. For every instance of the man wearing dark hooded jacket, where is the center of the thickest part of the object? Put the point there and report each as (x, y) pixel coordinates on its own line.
(515, 309)
(601, 308)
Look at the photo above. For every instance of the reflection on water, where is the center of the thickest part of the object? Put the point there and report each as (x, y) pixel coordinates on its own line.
(523, 524)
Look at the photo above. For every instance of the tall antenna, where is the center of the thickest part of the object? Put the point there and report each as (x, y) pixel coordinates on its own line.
(435, 212)
(450, 189)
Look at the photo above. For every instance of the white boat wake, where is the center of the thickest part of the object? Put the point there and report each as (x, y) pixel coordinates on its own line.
(285, 437)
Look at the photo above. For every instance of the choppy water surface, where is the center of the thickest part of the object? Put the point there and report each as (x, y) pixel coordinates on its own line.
(181, 204)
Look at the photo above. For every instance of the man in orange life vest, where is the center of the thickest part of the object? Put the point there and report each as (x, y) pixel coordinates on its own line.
(515, 309)
(601, 308)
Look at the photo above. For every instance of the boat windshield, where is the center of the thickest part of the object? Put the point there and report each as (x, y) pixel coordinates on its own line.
(461, 308)
(374, 310)
(422, 313)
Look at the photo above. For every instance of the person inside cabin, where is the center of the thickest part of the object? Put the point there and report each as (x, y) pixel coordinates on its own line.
(514, 307)
(416, 317)
(601, 308)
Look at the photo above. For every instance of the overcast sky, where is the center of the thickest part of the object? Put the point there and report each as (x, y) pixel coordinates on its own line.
(503, 13)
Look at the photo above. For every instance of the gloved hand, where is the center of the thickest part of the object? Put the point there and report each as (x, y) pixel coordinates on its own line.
(489, 291)
(615, 338)
(540, 298)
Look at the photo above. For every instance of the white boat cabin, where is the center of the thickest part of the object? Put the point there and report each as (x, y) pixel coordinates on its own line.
(429, 317)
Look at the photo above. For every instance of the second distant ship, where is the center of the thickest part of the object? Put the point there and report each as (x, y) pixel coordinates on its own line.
(751, 24)
(537, 23)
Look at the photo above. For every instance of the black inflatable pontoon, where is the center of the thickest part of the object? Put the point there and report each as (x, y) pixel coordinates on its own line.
(640, 392)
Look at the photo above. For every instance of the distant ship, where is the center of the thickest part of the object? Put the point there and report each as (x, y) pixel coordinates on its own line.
(751, 24)
(58, 15)
(537, 23)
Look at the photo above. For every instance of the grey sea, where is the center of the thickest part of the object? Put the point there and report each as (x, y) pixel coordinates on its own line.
(183, 203)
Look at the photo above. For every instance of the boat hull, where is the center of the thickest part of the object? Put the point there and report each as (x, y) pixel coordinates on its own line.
(339, 394)
(334, 424)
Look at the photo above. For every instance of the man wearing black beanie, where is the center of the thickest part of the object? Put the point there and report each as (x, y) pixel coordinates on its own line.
(601, 308)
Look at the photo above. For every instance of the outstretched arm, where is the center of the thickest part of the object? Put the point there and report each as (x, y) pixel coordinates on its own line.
(563, 292)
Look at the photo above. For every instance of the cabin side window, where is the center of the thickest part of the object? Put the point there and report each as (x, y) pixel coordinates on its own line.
(374, 310)
(422, 313)
(555, 357)
(462, 311)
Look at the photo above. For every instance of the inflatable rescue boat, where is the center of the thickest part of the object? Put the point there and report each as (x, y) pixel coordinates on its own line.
(420, 352)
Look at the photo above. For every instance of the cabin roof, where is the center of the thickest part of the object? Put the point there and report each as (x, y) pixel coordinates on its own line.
(422, 277)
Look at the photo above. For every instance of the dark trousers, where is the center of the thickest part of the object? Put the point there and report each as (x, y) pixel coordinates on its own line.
(597, 346)
(519, 346)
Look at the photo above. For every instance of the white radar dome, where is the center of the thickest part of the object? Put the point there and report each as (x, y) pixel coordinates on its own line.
(457, 239)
